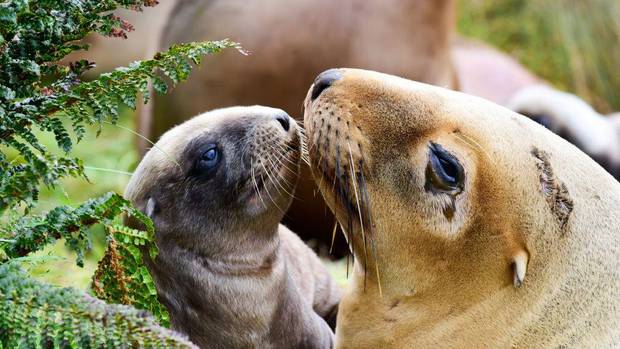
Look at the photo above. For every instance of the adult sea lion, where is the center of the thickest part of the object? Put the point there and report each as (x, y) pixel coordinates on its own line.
(471, 225)
(290, 43)
(216, 188)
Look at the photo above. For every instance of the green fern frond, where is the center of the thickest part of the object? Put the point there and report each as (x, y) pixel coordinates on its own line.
(36, 315)
(91, 102)
(121, 275)
(32, 233)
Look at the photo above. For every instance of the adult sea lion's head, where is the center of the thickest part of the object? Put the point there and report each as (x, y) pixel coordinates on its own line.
(446, 199)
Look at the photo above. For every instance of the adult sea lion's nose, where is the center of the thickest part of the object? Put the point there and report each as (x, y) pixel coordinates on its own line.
(323, 81)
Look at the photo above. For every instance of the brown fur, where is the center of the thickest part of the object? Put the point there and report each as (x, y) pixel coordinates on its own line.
(291, 42)
(230, 275)
(529, 257)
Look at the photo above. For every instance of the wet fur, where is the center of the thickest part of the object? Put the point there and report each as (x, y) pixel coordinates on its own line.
(530, 257)
(230, 275)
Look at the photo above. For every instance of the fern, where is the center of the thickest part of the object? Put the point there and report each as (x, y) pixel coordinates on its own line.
(39, 95)
(91, 102)
(121, 276)
(36, 315)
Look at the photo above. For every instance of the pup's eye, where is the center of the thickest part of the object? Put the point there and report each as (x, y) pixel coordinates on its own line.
(210, 155)
(209, 158)
(444, 172)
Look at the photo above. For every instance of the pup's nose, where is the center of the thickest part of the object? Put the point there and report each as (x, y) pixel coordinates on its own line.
(323, 81)
(284, 121)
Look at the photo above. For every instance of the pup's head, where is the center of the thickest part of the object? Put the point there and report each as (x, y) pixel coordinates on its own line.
(228, 170)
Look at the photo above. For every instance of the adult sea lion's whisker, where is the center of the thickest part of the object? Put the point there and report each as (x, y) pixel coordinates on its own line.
(331, 246)
(322, 154)
(359, 210)
(373, 247)
(344, 199)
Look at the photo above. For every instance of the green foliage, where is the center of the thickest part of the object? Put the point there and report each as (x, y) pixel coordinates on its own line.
(36, 315)
(91, 102)
(32, 233)
(39, 96)
(571, 43)
(34, 35)
(122, 277)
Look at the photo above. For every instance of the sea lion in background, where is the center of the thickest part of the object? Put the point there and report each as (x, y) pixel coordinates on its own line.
(471, 225)
(486, 72)
(614, 119)
(291, 42)
(229, 274)
(574, 120)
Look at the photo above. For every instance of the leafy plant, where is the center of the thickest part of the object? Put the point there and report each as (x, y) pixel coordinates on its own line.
(36, 315)
(38, 95)
(122, 277)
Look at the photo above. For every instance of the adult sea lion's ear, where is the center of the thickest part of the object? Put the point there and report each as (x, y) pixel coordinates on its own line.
(519, 267)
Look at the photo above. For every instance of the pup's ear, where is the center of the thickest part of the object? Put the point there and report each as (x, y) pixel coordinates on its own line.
(151, 208)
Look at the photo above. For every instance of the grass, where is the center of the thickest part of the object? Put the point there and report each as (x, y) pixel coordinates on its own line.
(574, 44)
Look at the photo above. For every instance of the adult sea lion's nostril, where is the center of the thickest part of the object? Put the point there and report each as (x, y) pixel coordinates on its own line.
(323, 81)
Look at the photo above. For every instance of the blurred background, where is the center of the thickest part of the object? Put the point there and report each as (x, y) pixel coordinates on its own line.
(574, 45)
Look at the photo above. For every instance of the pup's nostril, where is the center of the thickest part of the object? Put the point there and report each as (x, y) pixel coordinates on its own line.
(284, 121)
(323, 81)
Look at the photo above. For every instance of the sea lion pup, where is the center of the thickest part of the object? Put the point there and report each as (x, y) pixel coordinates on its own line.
(574, 120)
(216, 188)
(471, 225)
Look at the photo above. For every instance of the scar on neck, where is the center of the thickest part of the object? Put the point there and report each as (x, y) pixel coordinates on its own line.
(555, 191)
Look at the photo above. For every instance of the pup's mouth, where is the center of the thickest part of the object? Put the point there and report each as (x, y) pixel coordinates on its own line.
(274, 169)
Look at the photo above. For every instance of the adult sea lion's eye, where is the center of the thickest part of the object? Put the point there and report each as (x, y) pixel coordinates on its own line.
(444, 172)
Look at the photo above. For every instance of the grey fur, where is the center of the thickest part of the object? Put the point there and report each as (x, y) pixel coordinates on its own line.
(230, 275)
